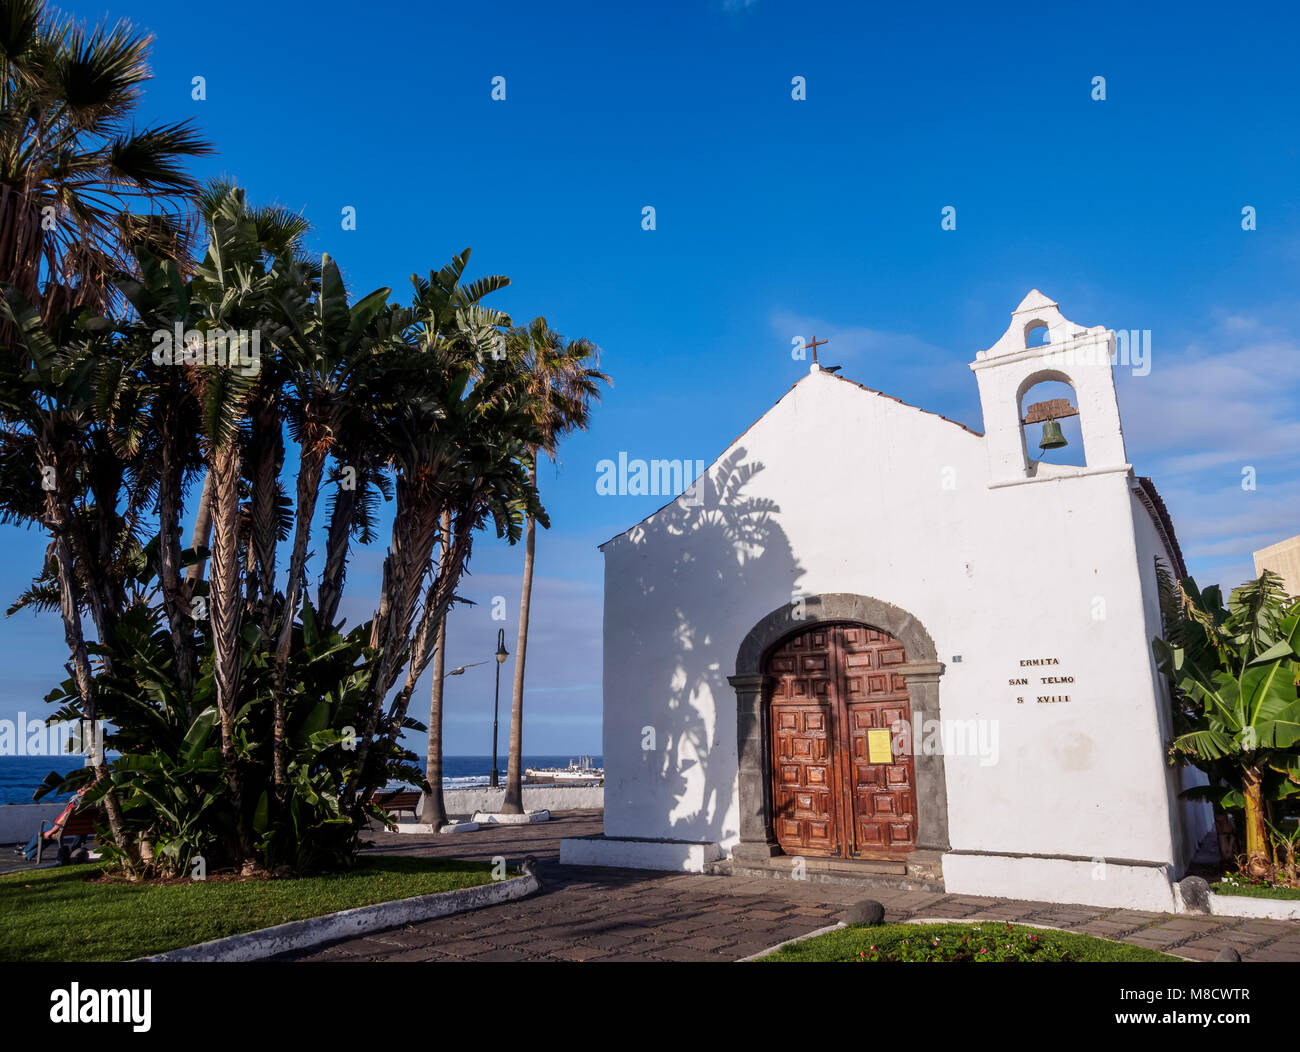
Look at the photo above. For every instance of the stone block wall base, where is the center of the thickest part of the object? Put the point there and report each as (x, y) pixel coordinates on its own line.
(921, 871)
(1118, 883)
(678, 856)
(755, 849)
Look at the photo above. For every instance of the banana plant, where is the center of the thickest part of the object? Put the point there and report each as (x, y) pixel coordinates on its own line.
(1235, 672)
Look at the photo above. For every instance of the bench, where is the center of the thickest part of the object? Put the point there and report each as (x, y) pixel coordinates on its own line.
(79, 824)
(400, 801)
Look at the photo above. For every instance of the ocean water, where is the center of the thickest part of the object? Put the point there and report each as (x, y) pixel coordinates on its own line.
(20, 775)
(464, 772)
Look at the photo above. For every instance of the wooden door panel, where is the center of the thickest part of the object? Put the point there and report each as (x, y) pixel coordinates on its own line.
(881, 808)
(803, 798)
(805, 815)
(831, 686)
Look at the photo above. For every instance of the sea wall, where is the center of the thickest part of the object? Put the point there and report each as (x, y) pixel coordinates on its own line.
(536, 798)
(19, 821)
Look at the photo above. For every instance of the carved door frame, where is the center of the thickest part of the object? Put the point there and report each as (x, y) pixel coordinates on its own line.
(922, 672)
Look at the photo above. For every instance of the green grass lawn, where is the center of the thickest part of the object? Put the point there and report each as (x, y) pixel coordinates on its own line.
(1255, 891)
(960, 942)
(61, 914)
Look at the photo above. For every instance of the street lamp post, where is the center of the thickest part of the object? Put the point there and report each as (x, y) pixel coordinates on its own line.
(502, 654)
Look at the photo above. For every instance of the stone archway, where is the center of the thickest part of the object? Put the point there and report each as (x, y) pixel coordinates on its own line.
(922, 671)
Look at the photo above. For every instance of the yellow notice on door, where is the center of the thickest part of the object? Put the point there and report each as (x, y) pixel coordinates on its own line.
(878, 750)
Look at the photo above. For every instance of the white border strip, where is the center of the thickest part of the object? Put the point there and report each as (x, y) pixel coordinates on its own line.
(955, 920)
(1253, 906)
(313, 931)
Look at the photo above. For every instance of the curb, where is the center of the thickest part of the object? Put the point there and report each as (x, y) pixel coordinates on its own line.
(946, 920)
(1040, 927)
(1248, 906)
(496, 818)
(791, 942)
(315, 931)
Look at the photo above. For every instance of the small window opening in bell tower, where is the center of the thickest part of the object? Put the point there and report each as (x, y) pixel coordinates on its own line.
(1050, 424)
(1037, 334)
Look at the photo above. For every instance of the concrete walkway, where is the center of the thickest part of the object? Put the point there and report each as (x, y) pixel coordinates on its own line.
(599, 914)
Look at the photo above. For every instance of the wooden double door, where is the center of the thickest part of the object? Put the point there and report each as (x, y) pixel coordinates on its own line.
(843, 781)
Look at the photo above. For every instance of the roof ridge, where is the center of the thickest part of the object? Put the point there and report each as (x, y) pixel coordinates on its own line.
(1156, 508)
(713, 463)
(919, 409)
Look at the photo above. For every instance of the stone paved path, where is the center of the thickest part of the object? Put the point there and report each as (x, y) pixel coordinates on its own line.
(600, 914)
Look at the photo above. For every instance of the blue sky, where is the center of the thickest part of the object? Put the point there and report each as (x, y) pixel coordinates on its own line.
(775, 218)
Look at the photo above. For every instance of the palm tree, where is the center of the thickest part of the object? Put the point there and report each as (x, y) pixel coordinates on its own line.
(80, 187)
(560, 379)
(279, 233)
(165, 449)
(424, 419)
(334, 352)
(494, 429)
(457, 438)
(47, 407)
(235, 288)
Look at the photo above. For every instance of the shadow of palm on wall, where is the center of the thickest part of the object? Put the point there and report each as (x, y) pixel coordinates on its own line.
(731, 564)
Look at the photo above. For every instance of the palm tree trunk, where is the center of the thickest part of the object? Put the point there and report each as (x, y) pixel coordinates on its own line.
(88, 568)
(451, 568)
(513, 804)
(102, 597)
(1257, 863)
(415, 527)
(56, 514)
(435, 808)
(267, 452)
(21, 244)
(224, 609)
(169, 553)
(309, 474)
(202, 536)
(336, 555)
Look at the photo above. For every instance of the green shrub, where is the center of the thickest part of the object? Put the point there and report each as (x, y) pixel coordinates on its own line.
(987, 941)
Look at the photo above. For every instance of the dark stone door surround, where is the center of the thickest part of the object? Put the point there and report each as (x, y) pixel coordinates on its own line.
(922, 671)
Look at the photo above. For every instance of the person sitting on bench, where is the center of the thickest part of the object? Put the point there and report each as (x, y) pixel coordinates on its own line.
(55, 833)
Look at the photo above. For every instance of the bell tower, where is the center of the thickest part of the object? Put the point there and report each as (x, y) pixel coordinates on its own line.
(1071, 354)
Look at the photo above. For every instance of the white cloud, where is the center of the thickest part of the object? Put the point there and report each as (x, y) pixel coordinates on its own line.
(1202, 415)
(1233, 402)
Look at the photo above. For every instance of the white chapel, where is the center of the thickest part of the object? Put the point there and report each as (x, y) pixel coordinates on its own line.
(873, 643)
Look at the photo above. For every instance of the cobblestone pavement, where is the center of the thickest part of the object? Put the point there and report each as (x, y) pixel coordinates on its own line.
(602, 914)
(12, 862)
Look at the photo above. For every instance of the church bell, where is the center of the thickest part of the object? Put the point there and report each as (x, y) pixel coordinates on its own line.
(1052, 435)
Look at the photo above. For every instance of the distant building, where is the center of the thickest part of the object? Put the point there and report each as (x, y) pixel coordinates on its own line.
(1282, 558)
(877, 643)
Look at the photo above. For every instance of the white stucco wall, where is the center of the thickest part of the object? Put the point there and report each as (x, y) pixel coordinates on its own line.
(846, 490)
(1190, 820)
